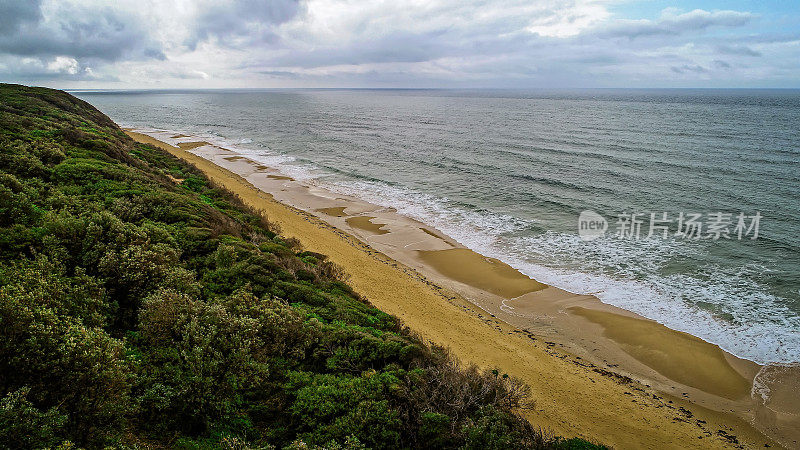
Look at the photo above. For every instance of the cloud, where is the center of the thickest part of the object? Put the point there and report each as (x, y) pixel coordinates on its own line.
(672, 23)
(243, 22)
(773, 38)
(60, 67)
(64, 64)
(570, 20)
(15, 13)
(415, 48)
(77, 30)
(538, 43)
(431, 43)
(333, 33)
(67, 38)
(689, 68)
(742, 50)
(280, 74)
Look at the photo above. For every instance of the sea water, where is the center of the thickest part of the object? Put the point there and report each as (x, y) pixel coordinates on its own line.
(507, 173)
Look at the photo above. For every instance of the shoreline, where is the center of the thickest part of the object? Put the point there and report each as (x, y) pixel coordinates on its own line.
(596, 371)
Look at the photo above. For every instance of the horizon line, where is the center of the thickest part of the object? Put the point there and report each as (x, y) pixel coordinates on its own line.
(432, 89)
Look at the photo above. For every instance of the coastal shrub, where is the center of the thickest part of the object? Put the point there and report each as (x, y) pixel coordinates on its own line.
(491, 429)
(61, 361)
(211, 351)
(143, 306)
(23, 425)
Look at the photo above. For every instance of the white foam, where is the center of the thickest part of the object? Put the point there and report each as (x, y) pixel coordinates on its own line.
(285, 164)
(760, 327)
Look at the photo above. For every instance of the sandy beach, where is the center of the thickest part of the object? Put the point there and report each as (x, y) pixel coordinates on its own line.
(595, 371)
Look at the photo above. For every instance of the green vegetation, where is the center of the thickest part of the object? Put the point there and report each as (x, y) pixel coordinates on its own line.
(141, 306)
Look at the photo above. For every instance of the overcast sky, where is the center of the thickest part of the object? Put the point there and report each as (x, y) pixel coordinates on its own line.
(396, 43)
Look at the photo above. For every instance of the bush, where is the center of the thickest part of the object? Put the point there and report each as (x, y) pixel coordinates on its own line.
(137, 311)
(22, 425)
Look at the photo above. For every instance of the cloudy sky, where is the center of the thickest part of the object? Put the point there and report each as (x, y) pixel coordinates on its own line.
(400, 43)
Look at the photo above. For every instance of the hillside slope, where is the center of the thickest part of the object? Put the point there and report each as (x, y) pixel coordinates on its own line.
(142, 306)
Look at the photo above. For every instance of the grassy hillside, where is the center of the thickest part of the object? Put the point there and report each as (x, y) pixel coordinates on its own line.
(141, 306)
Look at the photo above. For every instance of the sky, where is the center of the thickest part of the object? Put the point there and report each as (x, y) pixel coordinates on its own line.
(195, 44)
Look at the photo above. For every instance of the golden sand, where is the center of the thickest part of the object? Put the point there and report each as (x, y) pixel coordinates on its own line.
(365, 223)
(572, 397)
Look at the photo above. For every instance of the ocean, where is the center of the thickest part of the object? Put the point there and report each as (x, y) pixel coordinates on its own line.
(715, 173)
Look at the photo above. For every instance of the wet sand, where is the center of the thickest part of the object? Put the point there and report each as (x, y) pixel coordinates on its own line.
(277, 177)
(473, 269)
(595, 371)
(365, 223)
(672, 353)
(430, 233)
(191, 145)
(335, 211)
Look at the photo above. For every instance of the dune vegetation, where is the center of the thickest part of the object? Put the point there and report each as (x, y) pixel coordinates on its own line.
(142, 306)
